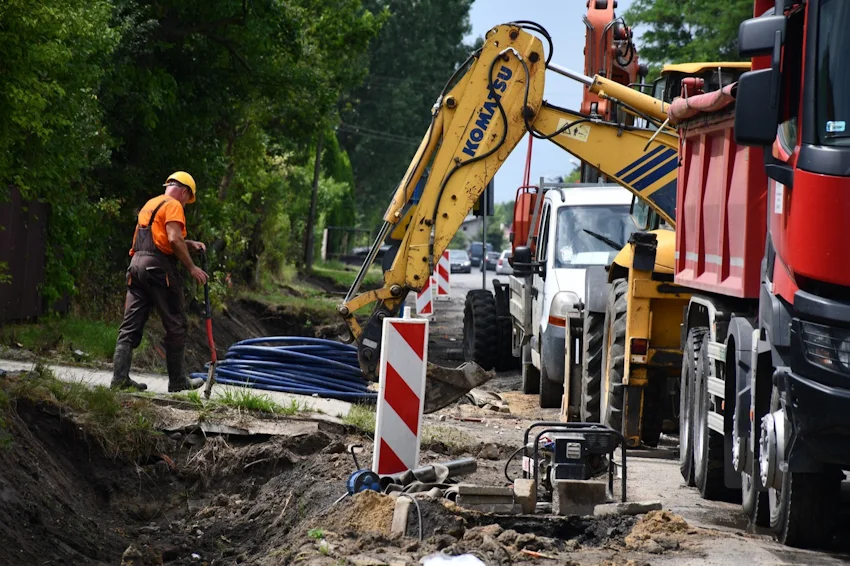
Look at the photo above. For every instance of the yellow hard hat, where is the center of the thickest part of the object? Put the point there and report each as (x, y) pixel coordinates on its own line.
(184, 179)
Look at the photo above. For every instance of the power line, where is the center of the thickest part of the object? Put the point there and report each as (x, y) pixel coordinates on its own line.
(368, 132)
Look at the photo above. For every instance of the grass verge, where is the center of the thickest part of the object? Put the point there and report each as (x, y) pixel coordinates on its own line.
(361, 417)
(65, 334)
(244, 400)
(123, 426)
(344, 275)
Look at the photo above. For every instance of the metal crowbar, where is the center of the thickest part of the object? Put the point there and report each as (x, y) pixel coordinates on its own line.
(210, 340)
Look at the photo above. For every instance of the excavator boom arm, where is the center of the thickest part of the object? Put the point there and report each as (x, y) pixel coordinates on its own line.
(476, 123)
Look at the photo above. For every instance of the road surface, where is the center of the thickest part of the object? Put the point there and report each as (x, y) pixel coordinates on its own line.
(649, 478)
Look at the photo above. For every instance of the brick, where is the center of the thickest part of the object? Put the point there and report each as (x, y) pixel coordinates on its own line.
(578, 497)
(628, 508)
(464, 500)
(500, 508)
(471, 489)
(402, 509)
(525, 495)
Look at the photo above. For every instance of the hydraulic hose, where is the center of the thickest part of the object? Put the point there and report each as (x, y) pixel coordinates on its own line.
(294, 364)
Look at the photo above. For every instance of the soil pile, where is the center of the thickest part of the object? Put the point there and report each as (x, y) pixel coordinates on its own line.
(658, 531)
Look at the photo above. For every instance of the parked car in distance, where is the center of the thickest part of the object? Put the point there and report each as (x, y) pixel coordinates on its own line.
(459, 261)
(476, 252)
(490, 264)
(503, 266)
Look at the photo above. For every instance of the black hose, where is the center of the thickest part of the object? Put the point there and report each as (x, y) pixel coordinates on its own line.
(508, 463)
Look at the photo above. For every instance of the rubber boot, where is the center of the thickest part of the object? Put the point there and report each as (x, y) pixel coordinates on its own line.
(121, 369)
(177, 380)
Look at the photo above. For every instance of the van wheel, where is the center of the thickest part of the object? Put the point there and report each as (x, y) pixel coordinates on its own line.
(614, 350)
(591, 366)
(551, 392)
(530, 374)
(480, 328)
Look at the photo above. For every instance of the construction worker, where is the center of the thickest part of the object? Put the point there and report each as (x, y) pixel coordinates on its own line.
(154, 281)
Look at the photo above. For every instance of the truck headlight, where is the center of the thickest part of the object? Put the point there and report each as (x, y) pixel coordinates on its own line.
(827, 346)
(564, 303)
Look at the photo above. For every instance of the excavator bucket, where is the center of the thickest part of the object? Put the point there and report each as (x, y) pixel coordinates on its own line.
(443, 386)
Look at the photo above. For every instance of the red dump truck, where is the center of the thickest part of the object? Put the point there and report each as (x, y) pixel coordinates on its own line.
(763, 240)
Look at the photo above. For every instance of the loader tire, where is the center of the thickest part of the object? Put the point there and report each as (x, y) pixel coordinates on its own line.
(480, 329)
(614, 350)
(506, 361)
(591, 366)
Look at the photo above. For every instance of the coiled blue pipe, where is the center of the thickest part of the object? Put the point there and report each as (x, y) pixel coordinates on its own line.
(294, 364)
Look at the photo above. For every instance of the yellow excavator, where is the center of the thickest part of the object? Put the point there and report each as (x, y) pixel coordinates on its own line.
(488, 105)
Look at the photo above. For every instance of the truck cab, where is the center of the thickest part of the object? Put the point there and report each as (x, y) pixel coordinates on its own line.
(580, 227)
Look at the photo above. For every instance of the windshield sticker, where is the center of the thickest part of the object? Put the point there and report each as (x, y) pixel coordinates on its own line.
(835, 127)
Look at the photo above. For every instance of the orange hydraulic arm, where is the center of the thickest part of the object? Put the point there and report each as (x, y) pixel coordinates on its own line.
(608, 52)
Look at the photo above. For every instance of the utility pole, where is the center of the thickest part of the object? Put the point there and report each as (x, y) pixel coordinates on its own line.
(311, 219)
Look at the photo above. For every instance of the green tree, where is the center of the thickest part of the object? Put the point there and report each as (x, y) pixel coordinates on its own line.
(384, 120)
(678, 31)
(101, 99)
(53, 57)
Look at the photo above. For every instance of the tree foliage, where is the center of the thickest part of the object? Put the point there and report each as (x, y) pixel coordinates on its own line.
(383, 121)
(678, 31)
(101, 99)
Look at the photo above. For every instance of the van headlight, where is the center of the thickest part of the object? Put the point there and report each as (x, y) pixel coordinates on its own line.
(565, 303)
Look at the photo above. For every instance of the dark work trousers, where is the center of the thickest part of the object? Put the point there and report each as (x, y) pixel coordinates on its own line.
(153, 281)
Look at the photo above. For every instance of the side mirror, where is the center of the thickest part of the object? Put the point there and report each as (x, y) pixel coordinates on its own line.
(756, 116)
(522, 263)
(757, 36)
(640, 213)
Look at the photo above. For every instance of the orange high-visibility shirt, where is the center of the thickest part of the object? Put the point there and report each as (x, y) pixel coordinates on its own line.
(171, 211)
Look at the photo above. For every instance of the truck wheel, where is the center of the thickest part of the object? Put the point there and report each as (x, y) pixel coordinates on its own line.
(708, 444)
(686, 404)
(803, 509)
(754, 502)
(551, 392)
(530, 374)
(506, 361)
(591, 366)
(614, 349)
(480, 328)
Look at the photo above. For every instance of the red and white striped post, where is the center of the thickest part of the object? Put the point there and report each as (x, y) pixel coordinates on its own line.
(401, 396)
(444, 270)
(425, 299)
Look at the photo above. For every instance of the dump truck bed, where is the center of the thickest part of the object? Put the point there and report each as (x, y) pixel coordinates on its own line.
(721, 207)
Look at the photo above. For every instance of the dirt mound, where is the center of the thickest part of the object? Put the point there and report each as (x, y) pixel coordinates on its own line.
(658, 531)
(364, 512)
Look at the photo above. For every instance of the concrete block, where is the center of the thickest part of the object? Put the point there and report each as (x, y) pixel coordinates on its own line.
(402, 509)
(627, 508)
(471, 489)
(525, 494)
(465, 500)
(578, 497)
(500, 508)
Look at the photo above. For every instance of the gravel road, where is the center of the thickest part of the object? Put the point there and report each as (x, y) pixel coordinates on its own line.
(652, 475)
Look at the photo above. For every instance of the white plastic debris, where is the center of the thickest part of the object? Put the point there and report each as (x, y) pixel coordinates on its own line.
(442, 559)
